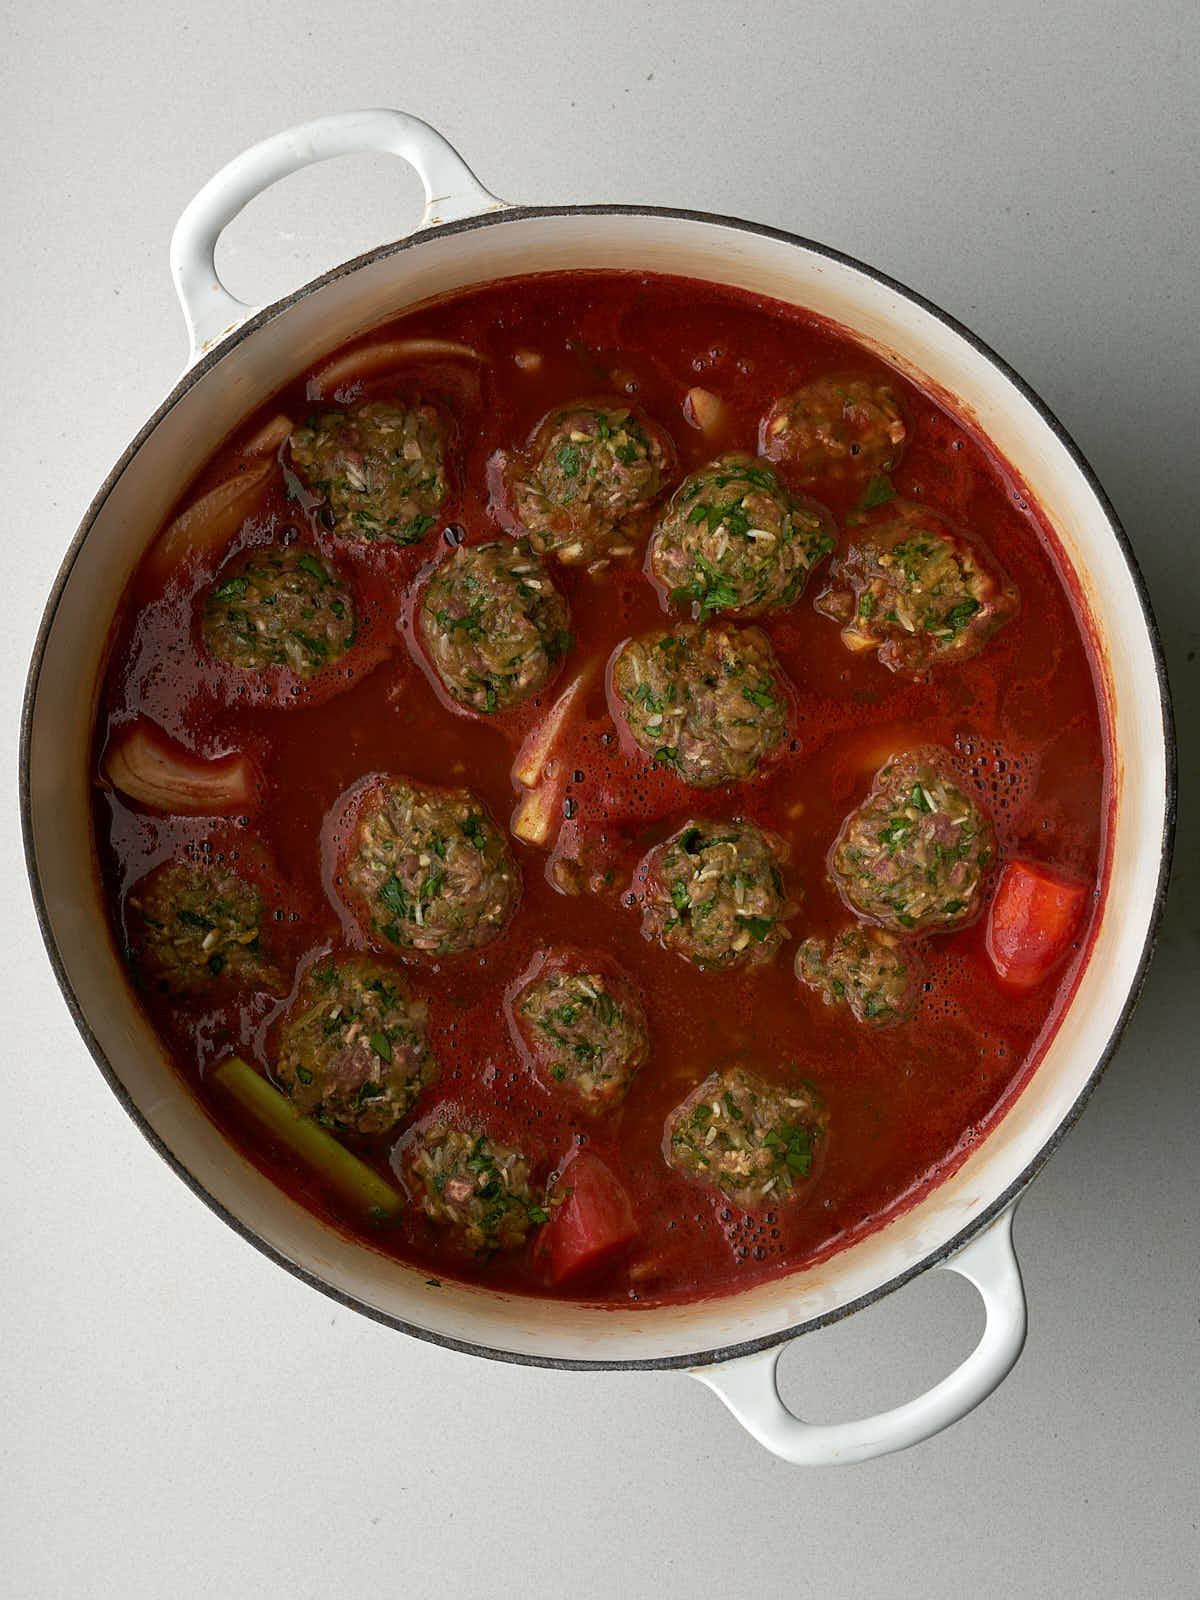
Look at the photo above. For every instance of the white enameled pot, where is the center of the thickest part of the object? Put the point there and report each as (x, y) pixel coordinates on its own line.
(242, 355)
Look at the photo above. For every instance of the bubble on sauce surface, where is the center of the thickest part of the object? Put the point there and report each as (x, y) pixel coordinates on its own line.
(1002, 778)
(753, 1237)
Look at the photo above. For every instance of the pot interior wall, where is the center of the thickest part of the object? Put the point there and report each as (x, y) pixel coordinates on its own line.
(237, 378)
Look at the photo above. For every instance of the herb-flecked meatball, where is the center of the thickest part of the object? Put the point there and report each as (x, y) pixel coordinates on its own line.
(380, 467)
(835, 427)
(591, 465)
(433, 868)
(494, 624)
(753, 1140)
(708, 701)
(279, 607)
(197, 926)
(714, 892)
(872, 972)
(585, 1030)
(916, 591)
(466, 1181)
(352, 1049)
(912, 857)
(734, 539)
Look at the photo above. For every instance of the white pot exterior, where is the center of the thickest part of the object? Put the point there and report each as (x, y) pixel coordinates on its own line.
(255, 362)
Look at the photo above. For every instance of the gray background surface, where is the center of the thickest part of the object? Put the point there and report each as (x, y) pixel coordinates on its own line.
(181, 1418)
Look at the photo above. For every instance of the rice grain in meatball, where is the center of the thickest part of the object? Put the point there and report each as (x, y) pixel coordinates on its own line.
(874, 974)
(196, 926)
(586, 1030)
(592, 464)
(353, 1050)
(714, 892)
(835, 427)
(916, 591)
(468, 1182)
(754, 1141)
(734, 539)
(279, 607)
(709, 702)
(913, 856)
(380, 467)
(494, 625)
(433, 869)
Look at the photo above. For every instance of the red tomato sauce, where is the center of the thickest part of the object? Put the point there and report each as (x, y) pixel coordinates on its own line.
(1023, 720)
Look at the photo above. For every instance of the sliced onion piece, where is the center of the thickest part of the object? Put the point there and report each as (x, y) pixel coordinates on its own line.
(537, 816)
(211, 522)
(375, 358)
(269, 437)
(566, 875)
(151, 768)
(541, 742)
(706, 411)
(854, 639)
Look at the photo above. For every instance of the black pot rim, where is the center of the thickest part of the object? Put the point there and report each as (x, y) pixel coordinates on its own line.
(750, 1346)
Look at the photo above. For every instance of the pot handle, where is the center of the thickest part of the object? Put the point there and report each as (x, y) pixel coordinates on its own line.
(451, 191)
(750, 1389)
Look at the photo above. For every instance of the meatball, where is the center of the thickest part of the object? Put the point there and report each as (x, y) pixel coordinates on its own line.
(466, 1181)
(912, 856)
(714, 892)
(352, 1049)
(869, 971)
(195, 927)
(494, 625)
(279, 607)
(733, 539)
(433, 868)
(380, 468)
(753, 1140)
(835, 427)
(585, 1030)
(591, 465)
(916, 591)
(708, 701)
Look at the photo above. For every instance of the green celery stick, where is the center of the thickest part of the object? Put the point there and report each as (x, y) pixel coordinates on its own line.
(308, 1141)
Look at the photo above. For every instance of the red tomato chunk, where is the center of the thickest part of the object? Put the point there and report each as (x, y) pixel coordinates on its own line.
(1033, 920)
(593, 1226)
